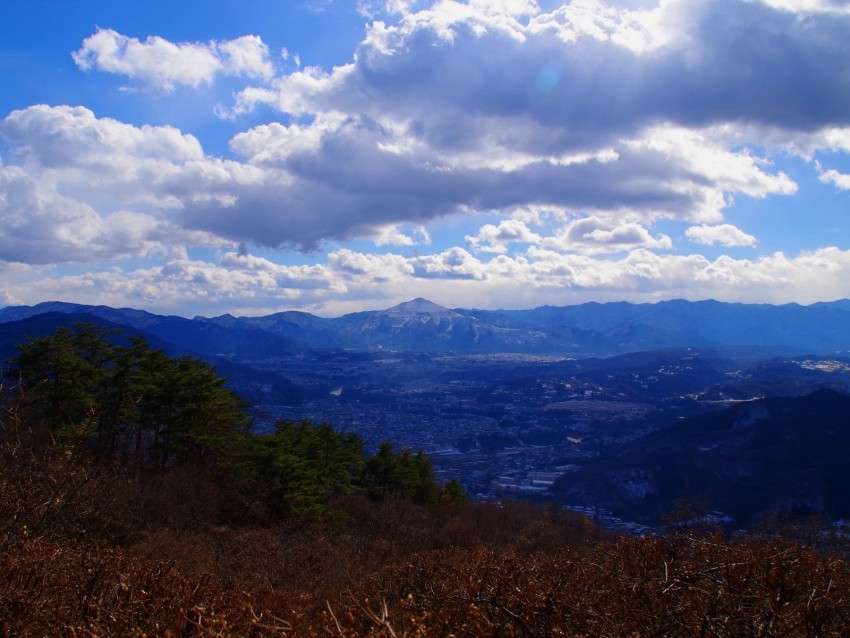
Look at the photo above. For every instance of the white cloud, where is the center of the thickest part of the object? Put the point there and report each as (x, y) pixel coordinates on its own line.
(272, 144)
(638, 30)
(246, 55)
(93, 188)
(611, 130)
(299, 187)
(351, 280)
(61, 136)
(275, 276)
(723, 234)
(40, 226)
(165, 64)
(455, 263)
(600, 118)
(560, 109)
(802, 143)
(495, 239)
(342, 177)
(194, 286)
(395, 235)
(595, 235)
(726, 171)
(809, 6)
(296, 93)
(490, 61)
(832, 176)
(356, 266)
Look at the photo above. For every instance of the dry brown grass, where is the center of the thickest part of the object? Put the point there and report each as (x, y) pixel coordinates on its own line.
(47, 589)
(679, 586)
(672, 586)
(86, 550)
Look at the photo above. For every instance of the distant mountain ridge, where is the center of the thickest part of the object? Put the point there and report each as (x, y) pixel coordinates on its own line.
(174, 335)
(421, 325)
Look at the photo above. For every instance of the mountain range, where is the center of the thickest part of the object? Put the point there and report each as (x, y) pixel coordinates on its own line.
(420, 325)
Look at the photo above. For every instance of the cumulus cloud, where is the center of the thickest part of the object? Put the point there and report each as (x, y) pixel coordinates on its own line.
(495, 239)
(465, 106)
(163, 64)
(563, 108)
(834, 177)
(40, 226)
(351, 280)
(90, 189)
(599, 118)
(568, 71)
(339, 191)
(63, 136)
(595, 235)
(723, 234)
(237, 280)
(100, 166)
(396, 235)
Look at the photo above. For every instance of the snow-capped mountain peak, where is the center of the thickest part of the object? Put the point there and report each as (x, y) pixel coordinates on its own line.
(419, 307)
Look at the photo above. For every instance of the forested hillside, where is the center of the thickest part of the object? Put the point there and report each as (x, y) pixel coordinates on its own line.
(136, 500)
(135, 406)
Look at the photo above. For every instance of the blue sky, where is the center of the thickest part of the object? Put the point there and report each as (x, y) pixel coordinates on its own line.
(211, 157)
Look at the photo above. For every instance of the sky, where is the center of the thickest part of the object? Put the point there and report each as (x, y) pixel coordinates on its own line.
(211, 157)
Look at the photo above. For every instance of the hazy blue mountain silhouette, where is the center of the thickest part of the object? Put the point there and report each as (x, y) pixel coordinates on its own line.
(420, 325)
(170, 335)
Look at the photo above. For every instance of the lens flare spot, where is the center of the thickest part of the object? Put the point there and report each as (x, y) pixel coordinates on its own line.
(547, 79)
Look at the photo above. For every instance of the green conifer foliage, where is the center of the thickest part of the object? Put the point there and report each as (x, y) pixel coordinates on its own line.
(130, 402)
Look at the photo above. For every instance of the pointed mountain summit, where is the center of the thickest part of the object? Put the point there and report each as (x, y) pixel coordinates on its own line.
(417, 308)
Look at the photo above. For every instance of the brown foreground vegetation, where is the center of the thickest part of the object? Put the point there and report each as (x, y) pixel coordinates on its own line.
(78, 558)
